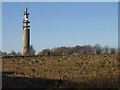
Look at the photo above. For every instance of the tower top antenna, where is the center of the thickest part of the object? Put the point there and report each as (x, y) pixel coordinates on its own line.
(26, 10)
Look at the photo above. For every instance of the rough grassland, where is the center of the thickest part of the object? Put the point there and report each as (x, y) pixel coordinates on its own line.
(49, 72)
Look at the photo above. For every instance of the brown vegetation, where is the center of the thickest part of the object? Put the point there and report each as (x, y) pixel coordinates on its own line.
(73, 71)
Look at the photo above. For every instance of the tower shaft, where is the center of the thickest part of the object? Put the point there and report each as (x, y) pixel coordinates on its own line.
(26, 35)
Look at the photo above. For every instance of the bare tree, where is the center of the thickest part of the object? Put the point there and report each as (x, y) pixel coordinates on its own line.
(12, 53)
(32, 50)
(105, 49)
(98, 49)
(45, 52)
(4, 53)
(18, 54)
(112, 50)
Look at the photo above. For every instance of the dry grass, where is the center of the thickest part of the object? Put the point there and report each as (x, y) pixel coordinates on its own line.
(90, 71)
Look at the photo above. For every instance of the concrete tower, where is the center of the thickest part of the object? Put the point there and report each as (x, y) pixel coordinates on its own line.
(26, 34)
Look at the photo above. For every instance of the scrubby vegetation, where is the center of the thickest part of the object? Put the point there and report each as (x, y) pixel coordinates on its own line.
(64, 51)
(77, 71)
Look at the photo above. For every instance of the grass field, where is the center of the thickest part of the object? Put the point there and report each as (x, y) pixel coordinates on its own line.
(50, 72)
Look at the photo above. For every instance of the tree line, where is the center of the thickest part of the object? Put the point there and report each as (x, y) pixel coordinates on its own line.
(76, 50)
